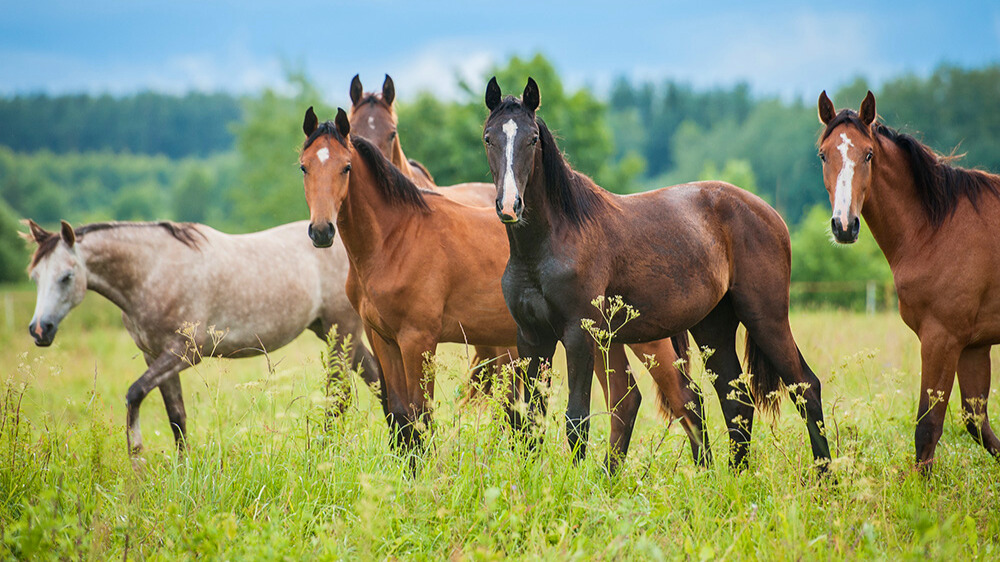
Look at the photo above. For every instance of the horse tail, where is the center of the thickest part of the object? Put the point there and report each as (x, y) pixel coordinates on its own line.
(766, 385)
(682, 349)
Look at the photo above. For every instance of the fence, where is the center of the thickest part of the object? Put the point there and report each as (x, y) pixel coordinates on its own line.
(870, 296)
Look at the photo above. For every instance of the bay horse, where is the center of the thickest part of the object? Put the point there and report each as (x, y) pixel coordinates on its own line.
(187, 291)
(937, 225)
(703, 256)
(373, 117)
(426, 269)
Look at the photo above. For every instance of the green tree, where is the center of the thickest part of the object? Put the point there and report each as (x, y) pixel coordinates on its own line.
(737, 172)
(269, 187)
(13, 250)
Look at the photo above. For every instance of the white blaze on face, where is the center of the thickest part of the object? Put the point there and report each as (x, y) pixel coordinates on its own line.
(371, 122)
(845, 179)
(323, 154)
(509, 187)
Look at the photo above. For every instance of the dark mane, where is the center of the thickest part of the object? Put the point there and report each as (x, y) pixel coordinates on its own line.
(325, 128)
(576, 195)
(393, 185)
(185, 232)
(940, 185)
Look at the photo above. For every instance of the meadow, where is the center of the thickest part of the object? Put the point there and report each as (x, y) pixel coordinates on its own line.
(263, 479)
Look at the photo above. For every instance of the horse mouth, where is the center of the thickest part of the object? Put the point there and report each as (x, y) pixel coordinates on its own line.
(39, 342)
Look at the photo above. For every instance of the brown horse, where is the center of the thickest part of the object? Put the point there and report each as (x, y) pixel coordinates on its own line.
(373, 118)
(938, 226)
(426, 269)
(704, 256)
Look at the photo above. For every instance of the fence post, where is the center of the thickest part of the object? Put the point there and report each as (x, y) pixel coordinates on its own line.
(870, 298)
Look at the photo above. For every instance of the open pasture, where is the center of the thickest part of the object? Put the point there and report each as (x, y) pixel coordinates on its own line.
(263, 480)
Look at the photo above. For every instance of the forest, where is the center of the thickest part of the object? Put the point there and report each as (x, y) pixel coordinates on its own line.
(231, 161)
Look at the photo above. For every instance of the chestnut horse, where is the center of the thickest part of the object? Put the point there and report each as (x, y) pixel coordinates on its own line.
(703, 256)
(938, 226)
(188, 291)
(373, 118)
(426, 269)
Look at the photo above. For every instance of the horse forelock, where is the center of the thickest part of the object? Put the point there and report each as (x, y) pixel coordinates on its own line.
(326, 128)
(370, 98)
(848, 116)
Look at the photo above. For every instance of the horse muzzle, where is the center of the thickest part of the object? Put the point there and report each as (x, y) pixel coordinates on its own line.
(845, 234)
(43, 332)
(322, 237)
(510, 215)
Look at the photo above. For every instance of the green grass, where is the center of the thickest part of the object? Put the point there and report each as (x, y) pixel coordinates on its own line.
(262, 480)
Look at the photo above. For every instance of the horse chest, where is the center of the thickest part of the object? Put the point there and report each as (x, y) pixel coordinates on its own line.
(532, 295)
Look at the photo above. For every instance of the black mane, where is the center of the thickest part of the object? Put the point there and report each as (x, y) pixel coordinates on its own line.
(185, 232)
(940, 185)
(325, 128)
(575, 194)
(393, 185)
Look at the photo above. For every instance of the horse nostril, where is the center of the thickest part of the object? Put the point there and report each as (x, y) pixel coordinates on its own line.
(330, 230)
(856, 226)
(518, 205)
(499, 206)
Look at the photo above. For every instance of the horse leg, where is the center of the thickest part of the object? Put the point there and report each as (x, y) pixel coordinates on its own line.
(173, 400)
(537, 353)
(622, 398)
(679, 396)
(394, 390)
(165, 367)
(380, 378)
(974, 384)
(414, 347)
(939, 354)
(580, 367)
(717, 332)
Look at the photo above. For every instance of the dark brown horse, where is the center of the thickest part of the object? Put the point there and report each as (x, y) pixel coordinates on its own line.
(939, 227)
(704, 256)
(425, 269)
(373, 118)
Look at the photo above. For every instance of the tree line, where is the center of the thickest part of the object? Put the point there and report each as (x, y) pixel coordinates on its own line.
(231, 162)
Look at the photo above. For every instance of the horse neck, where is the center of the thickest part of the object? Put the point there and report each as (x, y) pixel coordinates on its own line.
(399, 159)
(892, 207)
(366, 217)
(116, 265)
(532, 234)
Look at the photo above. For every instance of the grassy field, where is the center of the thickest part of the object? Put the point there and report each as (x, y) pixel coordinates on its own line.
(262, 480)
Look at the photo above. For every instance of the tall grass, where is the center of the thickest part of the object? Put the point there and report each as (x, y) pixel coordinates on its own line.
(264, 479)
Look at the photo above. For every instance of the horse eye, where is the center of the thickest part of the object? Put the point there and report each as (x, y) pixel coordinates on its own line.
(486, 140)
(534, 140)
(392, 135)
(822, 157)
(66, 278)
(868, 157)
(302, 167)
(347, 168)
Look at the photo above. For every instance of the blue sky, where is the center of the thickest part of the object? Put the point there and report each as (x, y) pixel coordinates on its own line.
(793, 49)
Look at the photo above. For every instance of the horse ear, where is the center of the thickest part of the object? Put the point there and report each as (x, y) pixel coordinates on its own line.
(530, 97)
(310, 122)
(356, 90)
(867, 112)
(68, 236)
(492, 94)
(826, 110)
(343, 123)
(36, 232)
(388, 90)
